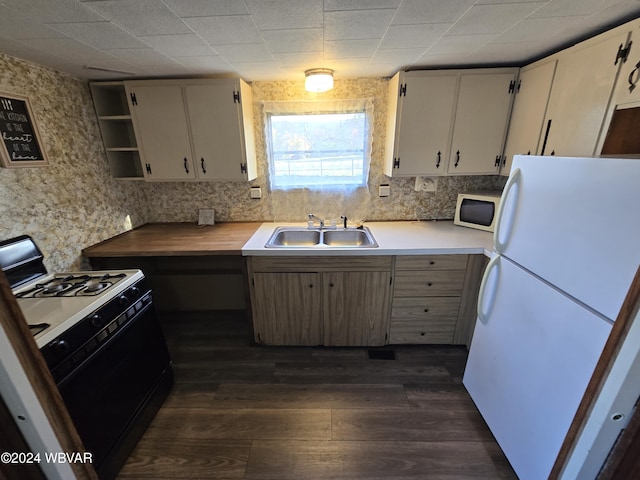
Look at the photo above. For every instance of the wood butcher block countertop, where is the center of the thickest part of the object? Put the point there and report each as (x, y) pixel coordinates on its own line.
(176, 239)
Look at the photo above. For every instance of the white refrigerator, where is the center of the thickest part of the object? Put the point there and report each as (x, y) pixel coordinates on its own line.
(567, 246)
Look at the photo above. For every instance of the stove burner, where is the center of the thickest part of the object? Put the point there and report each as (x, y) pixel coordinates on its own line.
(73, 285)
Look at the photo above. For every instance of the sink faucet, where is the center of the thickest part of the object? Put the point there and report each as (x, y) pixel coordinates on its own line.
(313, 218)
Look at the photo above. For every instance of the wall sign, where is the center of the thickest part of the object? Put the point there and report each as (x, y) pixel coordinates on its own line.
(21, 145)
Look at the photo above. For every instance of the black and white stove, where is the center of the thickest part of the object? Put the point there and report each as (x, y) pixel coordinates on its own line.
(99, 334)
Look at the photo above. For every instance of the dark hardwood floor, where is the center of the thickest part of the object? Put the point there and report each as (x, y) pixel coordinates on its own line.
(239, 411)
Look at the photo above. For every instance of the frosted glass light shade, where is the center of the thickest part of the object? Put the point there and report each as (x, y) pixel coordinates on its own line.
(318, 80)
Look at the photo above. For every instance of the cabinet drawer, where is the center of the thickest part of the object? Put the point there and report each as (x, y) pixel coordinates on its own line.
(424, 309)
(431, 262)
(424, 320)
(364, 263)
(429, 284)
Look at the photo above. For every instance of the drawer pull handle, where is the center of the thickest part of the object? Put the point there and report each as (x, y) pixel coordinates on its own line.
(429, 284)
(311, 285)
(432, 262)
(422, 334)
(426, 310)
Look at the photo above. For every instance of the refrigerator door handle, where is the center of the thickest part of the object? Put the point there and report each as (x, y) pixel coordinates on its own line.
(482, 311)
(514, 178)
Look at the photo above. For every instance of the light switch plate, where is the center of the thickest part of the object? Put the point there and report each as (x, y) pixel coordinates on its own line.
(206, 216)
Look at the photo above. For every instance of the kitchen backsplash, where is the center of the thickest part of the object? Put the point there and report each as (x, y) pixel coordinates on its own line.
(180, 201)
(73, 202)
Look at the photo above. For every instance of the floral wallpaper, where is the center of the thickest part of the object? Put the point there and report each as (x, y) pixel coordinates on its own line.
(73, 202)
(180, 201)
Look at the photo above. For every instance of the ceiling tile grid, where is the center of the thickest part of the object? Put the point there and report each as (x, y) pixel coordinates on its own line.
(279, 39)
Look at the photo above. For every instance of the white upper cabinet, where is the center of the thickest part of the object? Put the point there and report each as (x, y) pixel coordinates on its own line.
(194, 129)
(448, 122)
(482, 116)
(580, 95)
(420, 114)
(529, 108)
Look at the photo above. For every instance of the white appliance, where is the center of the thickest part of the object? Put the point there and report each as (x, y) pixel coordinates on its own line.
(477, 210)
(566, 246)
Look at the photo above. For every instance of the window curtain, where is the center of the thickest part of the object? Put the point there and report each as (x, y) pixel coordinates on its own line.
(328, 201)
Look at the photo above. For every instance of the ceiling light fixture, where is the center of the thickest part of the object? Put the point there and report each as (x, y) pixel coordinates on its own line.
(318, 80)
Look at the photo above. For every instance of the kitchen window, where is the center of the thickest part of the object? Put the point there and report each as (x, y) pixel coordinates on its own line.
(318, 145)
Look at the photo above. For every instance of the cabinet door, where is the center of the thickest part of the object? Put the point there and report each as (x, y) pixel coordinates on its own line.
(215, 128)
(356, 307)
(481, 119)
(529, 109)
(580, 97)
(286, 308)
(161, 129)
(422, 135)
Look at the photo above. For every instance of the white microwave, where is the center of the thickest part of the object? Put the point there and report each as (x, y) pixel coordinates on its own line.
(477, 210)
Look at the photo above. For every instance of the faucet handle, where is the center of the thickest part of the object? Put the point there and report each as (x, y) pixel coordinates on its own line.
(344, 219)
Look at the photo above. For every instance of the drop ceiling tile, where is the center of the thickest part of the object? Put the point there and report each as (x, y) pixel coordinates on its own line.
(568, 8)
(225, 30)
(459, 44)
(102, 35)
(141, 56)
(205, 64)
(431, 11)
(529, 29)
(283, 14)
(184, 45)
(248, 52)
(492, 18)
(333, 5)
(66, 48)
(294, 40)
(348, 67)
(14, 25)
(300, 60)
(403, 36)
(381, 70)
(142, 17)
(47, 11)
(355, 24)
(398, 55)
(206, 8)
(264, 71)
(363, 48)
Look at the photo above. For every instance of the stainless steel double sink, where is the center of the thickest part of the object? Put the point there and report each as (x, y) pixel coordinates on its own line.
(298, 237)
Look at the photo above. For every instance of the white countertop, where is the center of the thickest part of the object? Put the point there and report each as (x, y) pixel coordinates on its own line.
(394, 238)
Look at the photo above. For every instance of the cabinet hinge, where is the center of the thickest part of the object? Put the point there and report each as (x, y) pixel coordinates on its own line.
(396, 163)
(148, 167)
(498, 161)
(134, 100)
(403, 90)
(518, 86)
(512, 86)
(236, 97)
(623, 53)
(243, 168)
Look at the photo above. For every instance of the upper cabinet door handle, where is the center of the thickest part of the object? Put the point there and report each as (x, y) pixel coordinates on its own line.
(202, 165)
(457, 159)
(186, 165)
(438, 162)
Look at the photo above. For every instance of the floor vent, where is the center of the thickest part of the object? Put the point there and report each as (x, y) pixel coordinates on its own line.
(382, 355)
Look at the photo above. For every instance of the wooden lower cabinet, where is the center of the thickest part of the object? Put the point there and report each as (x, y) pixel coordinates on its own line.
(344, 301)
(351, 301)
(434, 299)
(287, 308)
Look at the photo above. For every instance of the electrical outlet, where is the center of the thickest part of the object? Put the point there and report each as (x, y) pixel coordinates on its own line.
(384, 190)
(206, 216)
(256, 192)
(426, 184)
